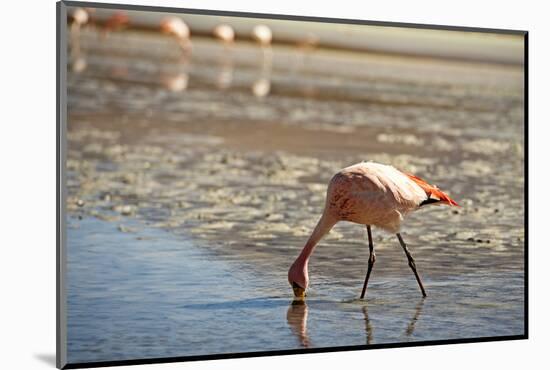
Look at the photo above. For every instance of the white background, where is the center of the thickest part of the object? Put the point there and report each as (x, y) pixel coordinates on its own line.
(27, 182)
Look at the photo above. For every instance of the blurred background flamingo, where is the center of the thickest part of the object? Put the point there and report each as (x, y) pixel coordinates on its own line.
(116, 22)
(176, 27)
(224, 33)
(80, 17)
(263, 36)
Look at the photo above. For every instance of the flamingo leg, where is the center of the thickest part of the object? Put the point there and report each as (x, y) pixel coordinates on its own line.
(411, 263)
(372, 259)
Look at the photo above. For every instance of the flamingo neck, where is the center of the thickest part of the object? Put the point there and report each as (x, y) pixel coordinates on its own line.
(323, 227)
(305, 254)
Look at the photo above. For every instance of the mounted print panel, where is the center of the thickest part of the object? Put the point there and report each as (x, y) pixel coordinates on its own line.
(246, 184)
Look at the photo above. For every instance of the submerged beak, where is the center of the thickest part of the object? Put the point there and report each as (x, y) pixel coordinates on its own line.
(299, 292)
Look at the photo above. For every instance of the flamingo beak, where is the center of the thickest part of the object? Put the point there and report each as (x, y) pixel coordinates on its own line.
(299, 292)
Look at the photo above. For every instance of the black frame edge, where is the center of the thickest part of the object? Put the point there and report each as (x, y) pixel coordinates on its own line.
(526, 183)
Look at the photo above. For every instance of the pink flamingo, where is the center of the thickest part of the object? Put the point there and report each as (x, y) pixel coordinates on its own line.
(262, 35)
(80, 17)
(176, 27)
(368, 193)
(224, 33)
(116, 22)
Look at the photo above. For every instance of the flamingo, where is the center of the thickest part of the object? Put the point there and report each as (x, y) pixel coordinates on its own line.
(262, 35)
(370, 194)
(307, 45)
(224, 33)
(309, 42)
(80, 17)
(176, 27)
(115, 22)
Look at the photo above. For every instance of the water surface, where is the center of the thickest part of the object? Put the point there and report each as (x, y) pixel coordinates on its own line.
(147, 294)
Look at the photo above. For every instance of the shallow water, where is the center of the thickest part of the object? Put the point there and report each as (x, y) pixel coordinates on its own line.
(147, 294)
(190, 196)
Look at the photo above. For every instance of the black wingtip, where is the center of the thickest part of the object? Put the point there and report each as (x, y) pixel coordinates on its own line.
(429, 201)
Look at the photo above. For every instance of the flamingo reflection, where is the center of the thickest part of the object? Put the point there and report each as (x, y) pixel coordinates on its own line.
(176, 80)
(410, 327)
(261, 87)
(368, 324)
(296, 317)
(225, 74)
(412, 323)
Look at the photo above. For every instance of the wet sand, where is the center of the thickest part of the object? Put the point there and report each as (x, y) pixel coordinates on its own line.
(242, 179)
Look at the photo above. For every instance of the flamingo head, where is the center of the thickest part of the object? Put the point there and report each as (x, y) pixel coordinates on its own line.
(299, 292)
(298, 279)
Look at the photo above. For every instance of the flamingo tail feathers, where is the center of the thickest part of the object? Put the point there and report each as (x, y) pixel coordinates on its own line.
(432, 190)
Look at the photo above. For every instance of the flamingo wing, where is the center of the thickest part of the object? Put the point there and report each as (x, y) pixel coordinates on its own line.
(432, 190)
